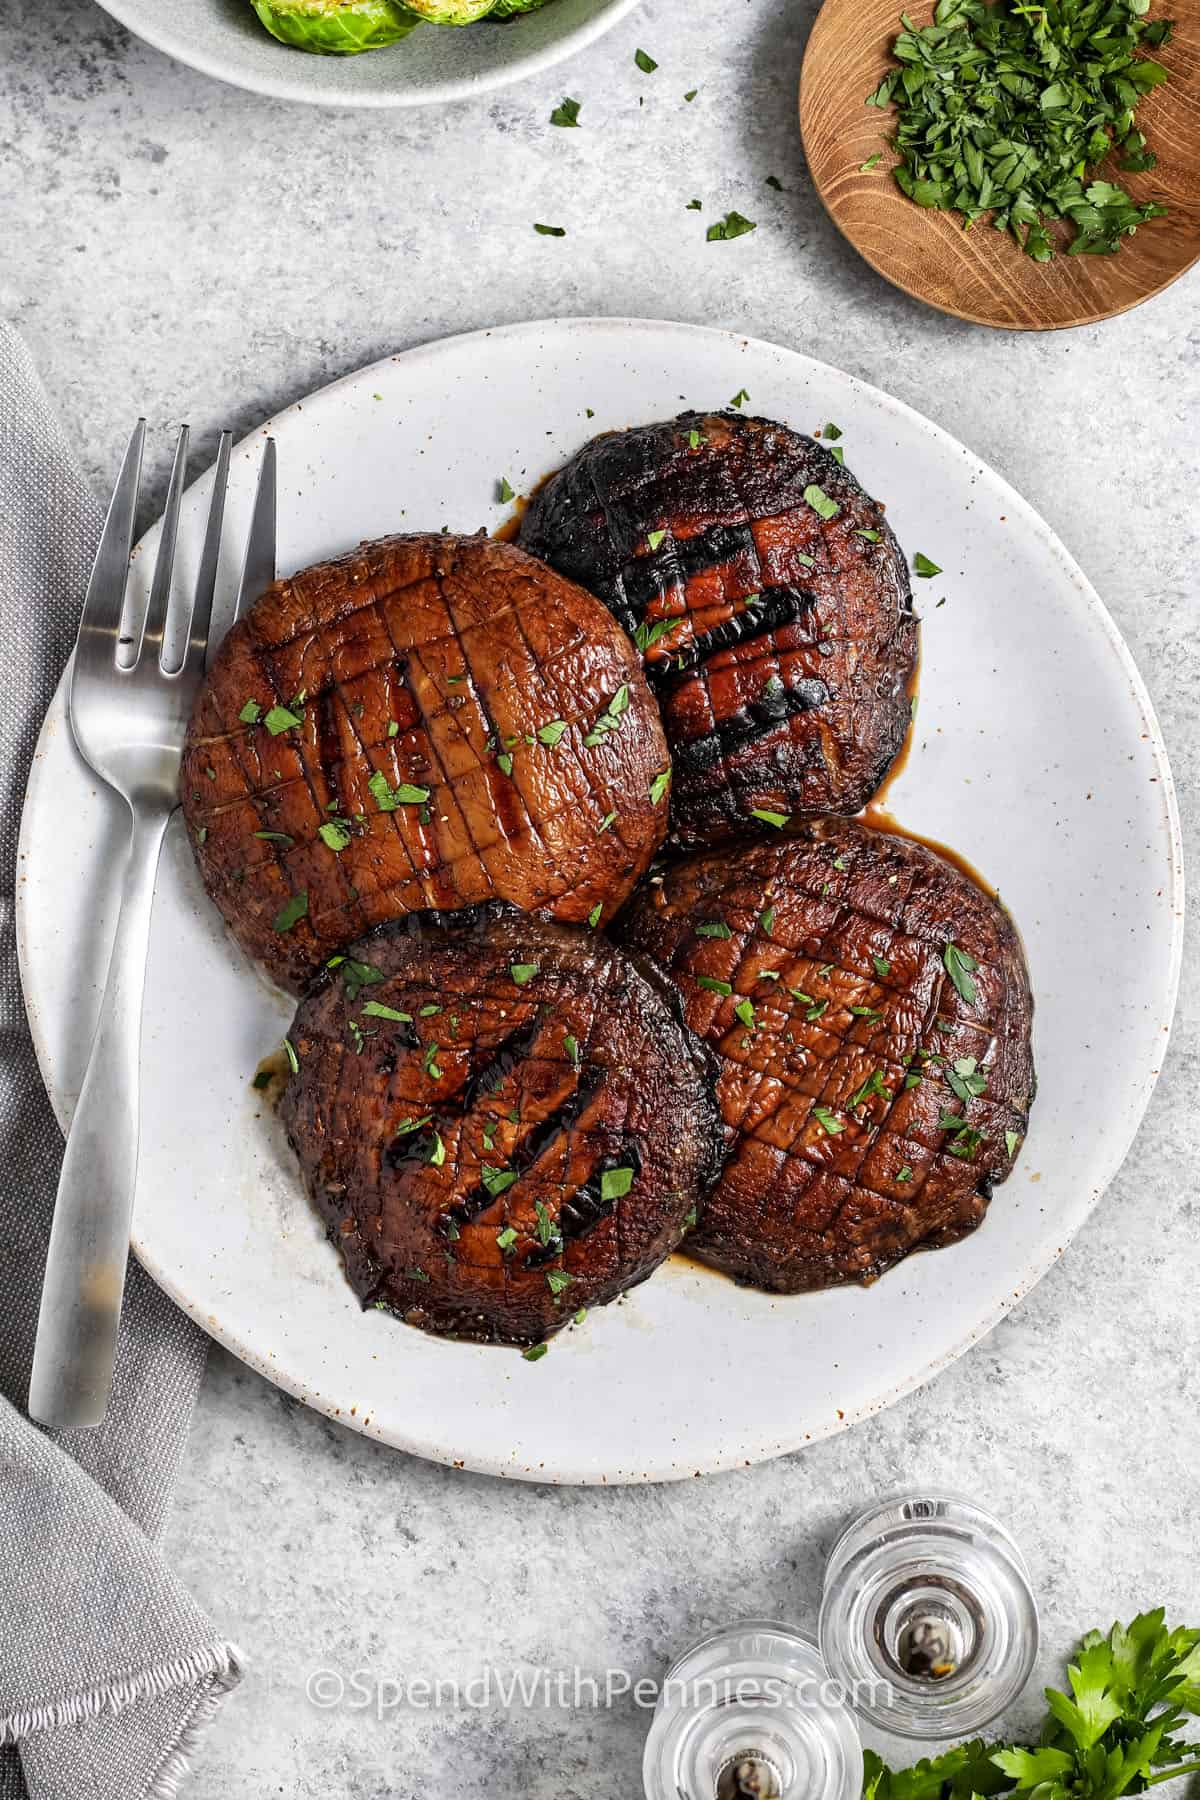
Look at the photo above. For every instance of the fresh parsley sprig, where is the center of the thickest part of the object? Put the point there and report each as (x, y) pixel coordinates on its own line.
(1121, 1729)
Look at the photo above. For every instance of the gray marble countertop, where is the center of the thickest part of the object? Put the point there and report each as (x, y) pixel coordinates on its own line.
(176, 247)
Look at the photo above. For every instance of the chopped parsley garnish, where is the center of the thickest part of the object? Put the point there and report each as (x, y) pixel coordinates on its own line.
(558, 1281)
(437, 1150)
(874, 1084)
(546, 1230)
(291, 912)
(280, 719)
(566, 113)
(375, 1009)
(827, 1120)
(866, 167)
(870, 1013)
(289, 1050)
(610, 718)
(1011, 1140)
(820, 502)
(766, 921)
(388, 798)
(356, 975)
(407, 1126)
(655, 538)
(550, 230)
(694, 206)
(904, 1172)
(522, 973)
(694, 439)
(644, 62)
(960, 967)
(831, 432)
(333, 834)
(881, 966)
(647, 635)
(429, 1062)
(866, 531)
(571, 1046)
(777, 819)
(691, 93)
(504, 490)
(744, 1011)
(504, 763)
(275, 837)
(614, 1183)
(733, 225)
(1007, 109)
(659, 786)
(552, 733)
(251, 713)
(713, 928)
(740, 398)
(535, 1352)
(497, 1180)
(593, 917)
(966, 1078)
(714, 986)
(506, 1239)
(923, 566)
(816, 1011)
(604, 824)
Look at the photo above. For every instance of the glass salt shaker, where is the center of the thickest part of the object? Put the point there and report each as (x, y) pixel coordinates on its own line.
(749, 1713)
(928, 1618)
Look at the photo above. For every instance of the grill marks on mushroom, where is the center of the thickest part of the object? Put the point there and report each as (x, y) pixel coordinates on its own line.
(841, 1038)
(418, 672)
(542, 1157)
(781, 642)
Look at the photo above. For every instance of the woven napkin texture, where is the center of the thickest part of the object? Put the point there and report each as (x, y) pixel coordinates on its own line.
(108, 1669)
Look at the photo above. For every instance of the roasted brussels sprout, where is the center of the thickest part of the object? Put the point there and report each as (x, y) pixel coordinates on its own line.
(509, 9)
(452, 12)
(336, 27)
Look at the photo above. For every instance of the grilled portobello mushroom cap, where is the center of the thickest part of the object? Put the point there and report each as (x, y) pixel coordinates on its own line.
(871, 1009)
(500, 1120)
(429, 722)
(781, 642)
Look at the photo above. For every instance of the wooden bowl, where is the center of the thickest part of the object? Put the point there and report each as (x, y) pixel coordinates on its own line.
(983, 275)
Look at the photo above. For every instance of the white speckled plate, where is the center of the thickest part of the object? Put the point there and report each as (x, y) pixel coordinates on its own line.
(1036, 755)
(434, 64)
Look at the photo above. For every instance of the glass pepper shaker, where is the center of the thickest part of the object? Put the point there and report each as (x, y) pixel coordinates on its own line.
(928, 1617)
(749, 1713)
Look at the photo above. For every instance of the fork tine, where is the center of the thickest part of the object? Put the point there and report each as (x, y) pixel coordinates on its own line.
(100, 624)
(154, 624)
(258, 564)
(206, 579)
(258, 570)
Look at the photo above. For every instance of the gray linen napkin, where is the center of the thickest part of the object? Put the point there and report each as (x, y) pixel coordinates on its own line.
(107, 1668)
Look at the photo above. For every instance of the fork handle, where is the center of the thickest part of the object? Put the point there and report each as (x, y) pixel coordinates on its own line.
(89, 1240)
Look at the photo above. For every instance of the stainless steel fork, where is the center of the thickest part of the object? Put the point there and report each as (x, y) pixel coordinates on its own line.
(129, 710)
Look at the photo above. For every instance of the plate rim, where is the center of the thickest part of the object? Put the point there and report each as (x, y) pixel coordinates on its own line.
(161, 38)
(1026, 1278)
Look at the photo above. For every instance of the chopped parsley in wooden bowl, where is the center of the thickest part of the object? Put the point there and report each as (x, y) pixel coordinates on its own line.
(1022, 165)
